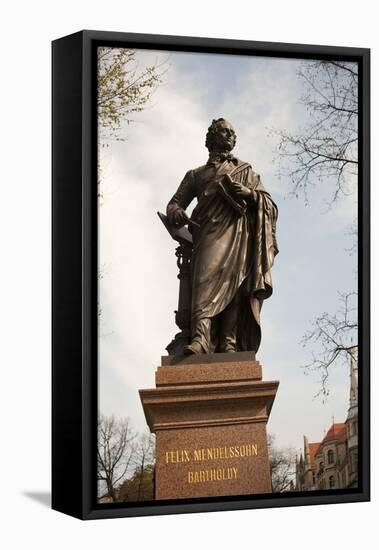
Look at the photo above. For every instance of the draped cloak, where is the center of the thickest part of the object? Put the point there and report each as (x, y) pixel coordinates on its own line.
(232, 252)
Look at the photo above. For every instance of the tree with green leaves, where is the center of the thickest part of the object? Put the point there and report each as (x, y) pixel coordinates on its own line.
(123, 88)
(140, 486)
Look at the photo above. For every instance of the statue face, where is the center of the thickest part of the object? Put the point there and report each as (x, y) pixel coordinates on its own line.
(225, 137)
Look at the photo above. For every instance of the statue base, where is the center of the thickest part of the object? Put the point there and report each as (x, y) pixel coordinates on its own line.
(209, 414)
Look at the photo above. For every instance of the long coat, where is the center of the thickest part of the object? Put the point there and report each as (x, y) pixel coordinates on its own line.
(232, 250)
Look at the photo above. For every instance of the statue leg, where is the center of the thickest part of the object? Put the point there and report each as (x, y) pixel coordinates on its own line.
(201, 337)
(228, 326)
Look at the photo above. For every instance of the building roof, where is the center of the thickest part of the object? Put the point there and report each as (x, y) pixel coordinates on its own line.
(337, 432)
(313, 448)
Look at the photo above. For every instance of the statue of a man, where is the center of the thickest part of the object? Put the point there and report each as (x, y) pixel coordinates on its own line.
(234, 245)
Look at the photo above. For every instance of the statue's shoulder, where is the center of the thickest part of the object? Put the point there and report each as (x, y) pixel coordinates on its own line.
(200, 169)
(244, 166)
(201, 172)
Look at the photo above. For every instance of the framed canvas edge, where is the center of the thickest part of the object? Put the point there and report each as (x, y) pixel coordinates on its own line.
(85, 497)
(67, 318)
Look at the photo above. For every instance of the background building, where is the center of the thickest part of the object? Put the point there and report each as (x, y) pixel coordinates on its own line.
(333, 462)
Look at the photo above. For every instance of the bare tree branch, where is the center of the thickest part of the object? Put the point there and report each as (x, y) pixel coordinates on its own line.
(140, 486)
(335, 337)
(115, 450)
(282, 466)
(327, 148)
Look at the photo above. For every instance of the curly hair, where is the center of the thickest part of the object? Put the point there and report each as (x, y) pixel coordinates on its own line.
(211, 133)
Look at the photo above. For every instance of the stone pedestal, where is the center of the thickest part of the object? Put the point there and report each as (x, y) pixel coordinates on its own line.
(209, 414)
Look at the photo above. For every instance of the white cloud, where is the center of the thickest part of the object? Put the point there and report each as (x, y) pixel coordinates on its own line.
(139, 290)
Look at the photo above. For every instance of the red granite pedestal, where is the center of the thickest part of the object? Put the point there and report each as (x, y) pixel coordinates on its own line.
(209, 414)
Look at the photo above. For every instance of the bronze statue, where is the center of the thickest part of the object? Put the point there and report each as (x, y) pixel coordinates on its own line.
(234, 245)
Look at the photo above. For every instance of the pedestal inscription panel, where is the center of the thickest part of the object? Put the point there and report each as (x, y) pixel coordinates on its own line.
(210, 424)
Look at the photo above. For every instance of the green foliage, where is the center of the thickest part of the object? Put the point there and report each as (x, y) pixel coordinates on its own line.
(122, 88)
(139, 487)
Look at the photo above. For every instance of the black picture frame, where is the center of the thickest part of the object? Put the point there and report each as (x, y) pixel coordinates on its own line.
(74, 273)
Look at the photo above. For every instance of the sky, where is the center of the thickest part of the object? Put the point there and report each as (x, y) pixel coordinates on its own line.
(138, 286)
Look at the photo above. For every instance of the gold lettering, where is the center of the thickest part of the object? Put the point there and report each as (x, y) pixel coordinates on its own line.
(179, 456)
(197, 454)
(219, 474)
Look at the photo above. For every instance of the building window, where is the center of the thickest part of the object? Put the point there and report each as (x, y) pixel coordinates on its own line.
(332, 482)
(321, 468)
(330, 457)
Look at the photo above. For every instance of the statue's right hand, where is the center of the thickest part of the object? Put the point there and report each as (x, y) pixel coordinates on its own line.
(179, 218)
(228, 179)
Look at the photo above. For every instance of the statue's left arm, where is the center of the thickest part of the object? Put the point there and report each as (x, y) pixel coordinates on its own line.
(261, 213)
(264, 214)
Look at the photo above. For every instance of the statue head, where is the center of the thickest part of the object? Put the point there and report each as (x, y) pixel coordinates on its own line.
(220, 137)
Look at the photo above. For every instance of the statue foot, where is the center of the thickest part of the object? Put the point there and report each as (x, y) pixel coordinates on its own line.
(193, 349)
(228, 349)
